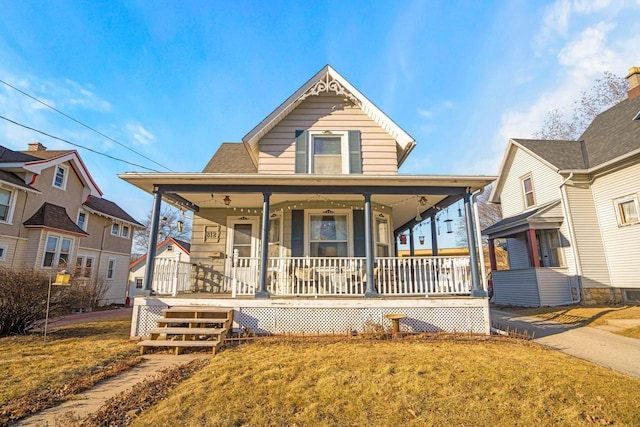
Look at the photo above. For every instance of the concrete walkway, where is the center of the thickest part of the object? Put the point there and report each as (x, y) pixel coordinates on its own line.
(89, 401)
(597, 345)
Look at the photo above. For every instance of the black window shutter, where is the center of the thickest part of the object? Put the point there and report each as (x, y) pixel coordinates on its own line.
(355, 152)
(302, 164)
(358, 234)
(297, 232)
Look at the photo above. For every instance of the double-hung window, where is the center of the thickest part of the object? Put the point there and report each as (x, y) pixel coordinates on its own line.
(527, 192)
(125, 231)
(382, 236)
(6, 200)
(84, 265)
(57, 251)
(115, 229)
(328, 235)
(111, 269)
(329, 153)
(274, 236)
(82, 220)
(60, 177)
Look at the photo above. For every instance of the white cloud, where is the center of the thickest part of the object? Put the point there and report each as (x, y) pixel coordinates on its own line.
(141, 135)
(588, 55)
(555, 22)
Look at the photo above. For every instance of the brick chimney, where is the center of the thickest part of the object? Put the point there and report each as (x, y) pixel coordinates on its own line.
(634, 82)
(36, 146)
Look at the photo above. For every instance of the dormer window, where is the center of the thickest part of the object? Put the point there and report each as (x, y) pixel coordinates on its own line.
(527, 192)
(60, 177)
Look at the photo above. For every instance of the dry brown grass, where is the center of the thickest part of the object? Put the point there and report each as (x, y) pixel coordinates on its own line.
(391, 383)
(26, 367)
(585, 316)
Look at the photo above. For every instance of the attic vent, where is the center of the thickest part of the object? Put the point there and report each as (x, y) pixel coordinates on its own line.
(169, 248)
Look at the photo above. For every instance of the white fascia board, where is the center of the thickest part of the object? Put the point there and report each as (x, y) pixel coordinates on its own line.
(37, 166)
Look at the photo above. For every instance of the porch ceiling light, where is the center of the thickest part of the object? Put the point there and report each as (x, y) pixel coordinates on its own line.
(423, 201)
(227, 200)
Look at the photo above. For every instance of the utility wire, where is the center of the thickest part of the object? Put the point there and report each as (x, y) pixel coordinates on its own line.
(77, 145)
(82, 124)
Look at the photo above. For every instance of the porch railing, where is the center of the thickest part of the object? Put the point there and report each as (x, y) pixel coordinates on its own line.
(170, 276)
(306, 276)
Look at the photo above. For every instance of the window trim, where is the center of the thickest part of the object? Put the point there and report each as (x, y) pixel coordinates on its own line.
(524, 191)
(381, 216)
(86, 219)
(65, 177)
(617, 205)
(113, 269)
(11, 206)
(56, 254)
(344, 148)
(307, 225)
(122, 234)
(4, 248)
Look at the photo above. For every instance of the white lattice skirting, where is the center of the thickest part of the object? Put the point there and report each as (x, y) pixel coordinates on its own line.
(275, 316)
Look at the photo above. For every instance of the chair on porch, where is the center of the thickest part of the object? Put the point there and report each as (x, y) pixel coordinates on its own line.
(305, 276)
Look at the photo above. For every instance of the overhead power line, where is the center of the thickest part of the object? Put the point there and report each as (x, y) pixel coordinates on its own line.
(77, 145)
(82, 124)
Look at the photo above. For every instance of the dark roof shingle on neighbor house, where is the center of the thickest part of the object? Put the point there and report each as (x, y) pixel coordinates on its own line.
(613, 133)
(185, 245)
(7, 155)
(231, 157)
(54, 217)
(109, 208)
(14, 179)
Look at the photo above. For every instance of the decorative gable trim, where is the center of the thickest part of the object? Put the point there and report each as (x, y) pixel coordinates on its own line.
(325, 81)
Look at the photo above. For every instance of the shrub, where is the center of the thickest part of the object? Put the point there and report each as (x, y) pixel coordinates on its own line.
(23, 299)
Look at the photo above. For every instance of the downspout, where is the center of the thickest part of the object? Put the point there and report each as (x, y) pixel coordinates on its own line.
(476, 217)
(567, 215)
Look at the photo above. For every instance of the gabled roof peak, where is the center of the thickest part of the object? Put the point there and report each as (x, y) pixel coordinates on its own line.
(328, 80)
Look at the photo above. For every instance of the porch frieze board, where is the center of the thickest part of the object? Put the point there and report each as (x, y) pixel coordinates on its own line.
(311, 189)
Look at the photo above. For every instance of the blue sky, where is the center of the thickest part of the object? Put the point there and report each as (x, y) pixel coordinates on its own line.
(175, 79)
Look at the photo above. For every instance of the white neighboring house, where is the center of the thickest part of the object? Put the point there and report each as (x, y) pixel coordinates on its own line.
(170, 255)
(571, 211)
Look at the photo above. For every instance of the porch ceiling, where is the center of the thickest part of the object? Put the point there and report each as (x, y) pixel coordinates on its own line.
(401, 193)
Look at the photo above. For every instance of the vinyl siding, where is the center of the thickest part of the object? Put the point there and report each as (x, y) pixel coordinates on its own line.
(116, 287)
(517, 252)
(586, 227)
(516, 287)
(327, 112)
(546, 183)
(621, 243)
(32, 254)
(553, 286)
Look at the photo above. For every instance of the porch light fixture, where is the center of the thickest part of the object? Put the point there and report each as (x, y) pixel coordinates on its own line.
(423, 201)
(227, 200)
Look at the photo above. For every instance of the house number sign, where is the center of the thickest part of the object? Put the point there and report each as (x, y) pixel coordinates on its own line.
(212, 233)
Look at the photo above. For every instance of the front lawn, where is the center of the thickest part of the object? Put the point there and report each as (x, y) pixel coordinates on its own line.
(73, 357)
(389, 383)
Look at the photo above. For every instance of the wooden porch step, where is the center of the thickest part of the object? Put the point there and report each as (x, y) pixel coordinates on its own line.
(187, 333)
(191, 309)
(179, 345)
(191, 320)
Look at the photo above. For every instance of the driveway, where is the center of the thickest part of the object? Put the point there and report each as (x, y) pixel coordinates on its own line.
(613, 351)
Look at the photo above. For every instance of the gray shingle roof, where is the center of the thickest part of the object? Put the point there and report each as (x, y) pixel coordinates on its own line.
(14, 179)
(9, 156)
(612, 134)
(561, 154)
(54, 217)
(109, 208)
(231, 157)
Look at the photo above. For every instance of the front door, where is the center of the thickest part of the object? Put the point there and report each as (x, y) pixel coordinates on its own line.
(242, 237)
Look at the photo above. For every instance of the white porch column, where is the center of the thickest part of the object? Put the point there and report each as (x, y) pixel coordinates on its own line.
(264, 248)
(370, 292)
(153, 242)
